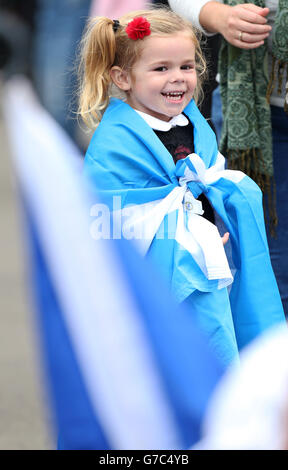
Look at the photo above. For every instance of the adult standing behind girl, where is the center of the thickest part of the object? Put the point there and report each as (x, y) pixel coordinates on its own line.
(151, 159)
(255, 134)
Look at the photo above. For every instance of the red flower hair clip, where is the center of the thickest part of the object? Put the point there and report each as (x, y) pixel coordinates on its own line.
(138, 28)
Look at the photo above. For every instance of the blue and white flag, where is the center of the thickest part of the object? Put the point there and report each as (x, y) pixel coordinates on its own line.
(156, 201)
(127, 368)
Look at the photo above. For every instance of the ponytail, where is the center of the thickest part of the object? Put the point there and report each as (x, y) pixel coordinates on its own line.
(98, 48)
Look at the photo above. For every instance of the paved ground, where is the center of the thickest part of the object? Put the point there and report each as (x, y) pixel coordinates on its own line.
(24, 419)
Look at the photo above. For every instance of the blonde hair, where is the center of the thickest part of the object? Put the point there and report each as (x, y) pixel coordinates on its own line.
(102, 48)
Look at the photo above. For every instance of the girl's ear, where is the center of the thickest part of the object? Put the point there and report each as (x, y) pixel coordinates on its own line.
(120, 78)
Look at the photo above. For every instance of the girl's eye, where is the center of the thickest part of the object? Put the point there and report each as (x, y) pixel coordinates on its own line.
(188, 67)
(161, 69)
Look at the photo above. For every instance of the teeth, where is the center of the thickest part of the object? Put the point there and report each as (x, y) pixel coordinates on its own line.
(175, 93)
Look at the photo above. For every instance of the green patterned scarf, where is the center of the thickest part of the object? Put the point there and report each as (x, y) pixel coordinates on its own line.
(246, 87)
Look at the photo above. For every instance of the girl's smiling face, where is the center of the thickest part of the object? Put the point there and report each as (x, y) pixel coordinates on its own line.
(162, 81)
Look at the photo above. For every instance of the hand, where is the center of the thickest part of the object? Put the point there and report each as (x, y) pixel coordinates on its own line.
(225, 238)
(244, 26)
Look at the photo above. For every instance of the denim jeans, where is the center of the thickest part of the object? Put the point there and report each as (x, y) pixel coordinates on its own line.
(58, 29)
(216, 112)
(279, 246)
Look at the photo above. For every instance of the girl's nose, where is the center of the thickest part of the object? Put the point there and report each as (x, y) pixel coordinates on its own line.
(176, 76)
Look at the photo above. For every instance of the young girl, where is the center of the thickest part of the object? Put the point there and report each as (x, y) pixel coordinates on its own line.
(153, 160)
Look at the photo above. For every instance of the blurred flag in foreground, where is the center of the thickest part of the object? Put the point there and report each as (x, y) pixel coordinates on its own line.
(126, 367)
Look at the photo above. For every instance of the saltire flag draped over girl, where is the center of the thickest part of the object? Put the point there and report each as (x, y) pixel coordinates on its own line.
(128, 164)
(127, 369)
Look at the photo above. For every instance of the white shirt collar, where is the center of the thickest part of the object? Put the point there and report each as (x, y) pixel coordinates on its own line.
(159, 125)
